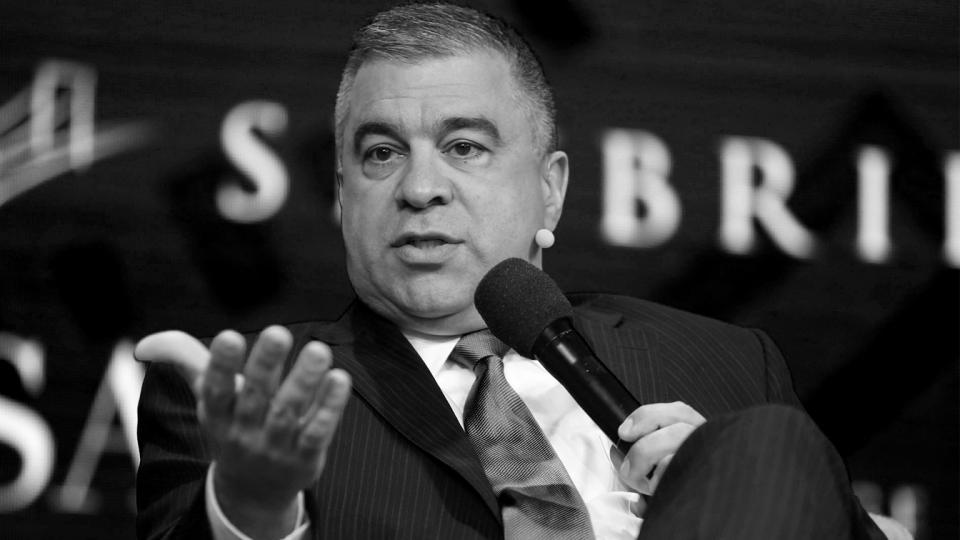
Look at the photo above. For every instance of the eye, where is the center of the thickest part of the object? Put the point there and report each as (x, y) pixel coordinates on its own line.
(465, 150)
(380, 160)
(381, 154)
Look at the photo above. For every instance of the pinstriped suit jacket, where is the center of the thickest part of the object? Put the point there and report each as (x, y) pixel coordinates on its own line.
(400, 465)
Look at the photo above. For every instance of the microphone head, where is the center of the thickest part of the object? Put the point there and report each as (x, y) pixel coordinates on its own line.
(517, 300)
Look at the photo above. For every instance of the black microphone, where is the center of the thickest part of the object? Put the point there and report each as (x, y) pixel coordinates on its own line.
(524, 308)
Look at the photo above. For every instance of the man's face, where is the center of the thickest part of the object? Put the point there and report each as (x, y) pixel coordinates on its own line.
(441, 180)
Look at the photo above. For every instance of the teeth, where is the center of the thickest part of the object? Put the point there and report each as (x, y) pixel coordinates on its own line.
(427, 244)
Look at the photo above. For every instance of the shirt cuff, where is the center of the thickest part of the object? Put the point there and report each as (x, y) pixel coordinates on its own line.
(221, 527)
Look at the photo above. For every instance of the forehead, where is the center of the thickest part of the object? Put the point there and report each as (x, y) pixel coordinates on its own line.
(429, 90)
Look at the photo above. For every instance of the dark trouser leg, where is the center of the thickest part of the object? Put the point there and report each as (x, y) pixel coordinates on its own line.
(763, 473)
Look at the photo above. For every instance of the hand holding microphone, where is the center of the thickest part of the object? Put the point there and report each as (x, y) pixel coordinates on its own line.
(525, 309)
(656, 431)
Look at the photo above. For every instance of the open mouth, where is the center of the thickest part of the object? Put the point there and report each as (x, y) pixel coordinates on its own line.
(425, 249)
(426, 243)
(423, 241)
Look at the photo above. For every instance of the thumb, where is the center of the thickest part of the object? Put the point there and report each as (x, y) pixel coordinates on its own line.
(178, 349)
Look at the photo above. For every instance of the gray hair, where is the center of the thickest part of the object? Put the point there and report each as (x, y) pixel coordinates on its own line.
(415, 32)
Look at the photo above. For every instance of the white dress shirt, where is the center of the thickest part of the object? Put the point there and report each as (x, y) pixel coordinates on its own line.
(581, 446)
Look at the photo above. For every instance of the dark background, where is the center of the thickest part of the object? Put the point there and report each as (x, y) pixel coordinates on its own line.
(134, 244)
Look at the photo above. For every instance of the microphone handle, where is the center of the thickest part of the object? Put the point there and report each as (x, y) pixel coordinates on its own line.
(569, 358)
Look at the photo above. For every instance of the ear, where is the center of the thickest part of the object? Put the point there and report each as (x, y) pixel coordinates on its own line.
(339, 188)
(554, 173)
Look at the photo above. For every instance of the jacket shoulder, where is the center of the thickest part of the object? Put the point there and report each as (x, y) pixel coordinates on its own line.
(650, 315)
(711, 364)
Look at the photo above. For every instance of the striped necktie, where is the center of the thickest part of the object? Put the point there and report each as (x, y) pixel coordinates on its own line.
(537, 498)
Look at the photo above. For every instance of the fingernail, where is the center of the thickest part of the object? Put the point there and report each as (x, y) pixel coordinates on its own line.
(625, 468)
(625, 427)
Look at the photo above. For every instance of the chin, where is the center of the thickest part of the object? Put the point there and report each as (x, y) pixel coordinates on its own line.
(448, 325)
(440, 312)
(434, 308)
(433, 303)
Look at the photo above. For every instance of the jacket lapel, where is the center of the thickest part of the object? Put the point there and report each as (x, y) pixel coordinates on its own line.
(625, 348)
(392, 379)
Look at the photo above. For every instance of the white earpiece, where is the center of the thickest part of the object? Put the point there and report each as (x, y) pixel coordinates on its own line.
(544, 238)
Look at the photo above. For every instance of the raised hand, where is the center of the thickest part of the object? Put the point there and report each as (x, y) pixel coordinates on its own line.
(271, 433)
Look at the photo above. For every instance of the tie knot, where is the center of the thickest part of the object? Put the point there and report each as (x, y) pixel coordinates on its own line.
(476, 346)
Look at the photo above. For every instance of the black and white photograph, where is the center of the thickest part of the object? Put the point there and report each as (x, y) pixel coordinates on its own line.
(493, 269)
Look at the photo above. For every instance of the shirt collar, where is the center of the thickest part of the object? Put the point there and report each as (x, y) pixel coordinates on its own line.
(434, 350)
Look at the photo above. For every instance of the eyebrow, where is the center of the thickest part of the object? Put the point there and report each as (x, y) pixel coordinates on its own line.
(480, 123)
(445, 126)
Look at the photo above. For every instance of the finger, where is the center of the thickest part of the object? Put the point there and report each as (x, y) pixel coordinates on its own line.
(651, 417)
(177, 348)
(649, 450)
(332, 398)
(218, 387)
(261, 374)
(296, 394)
(658, 471)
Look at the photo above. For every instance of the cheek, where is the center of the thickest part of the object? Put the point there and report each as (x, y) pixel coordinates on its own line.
(509, 224)
(519, 208)
(358, 227)
(360, 208)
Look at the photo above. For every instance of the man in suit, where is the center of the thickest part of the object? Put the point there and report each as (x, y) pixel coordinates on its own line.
(361, 428)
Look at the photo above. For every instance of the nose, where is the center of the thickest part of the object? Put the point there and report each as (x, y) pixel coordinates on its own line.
(423, 184)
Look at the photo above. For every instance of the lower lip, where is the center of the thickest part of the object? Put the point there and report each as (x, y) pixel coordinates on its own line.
(427, 253)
